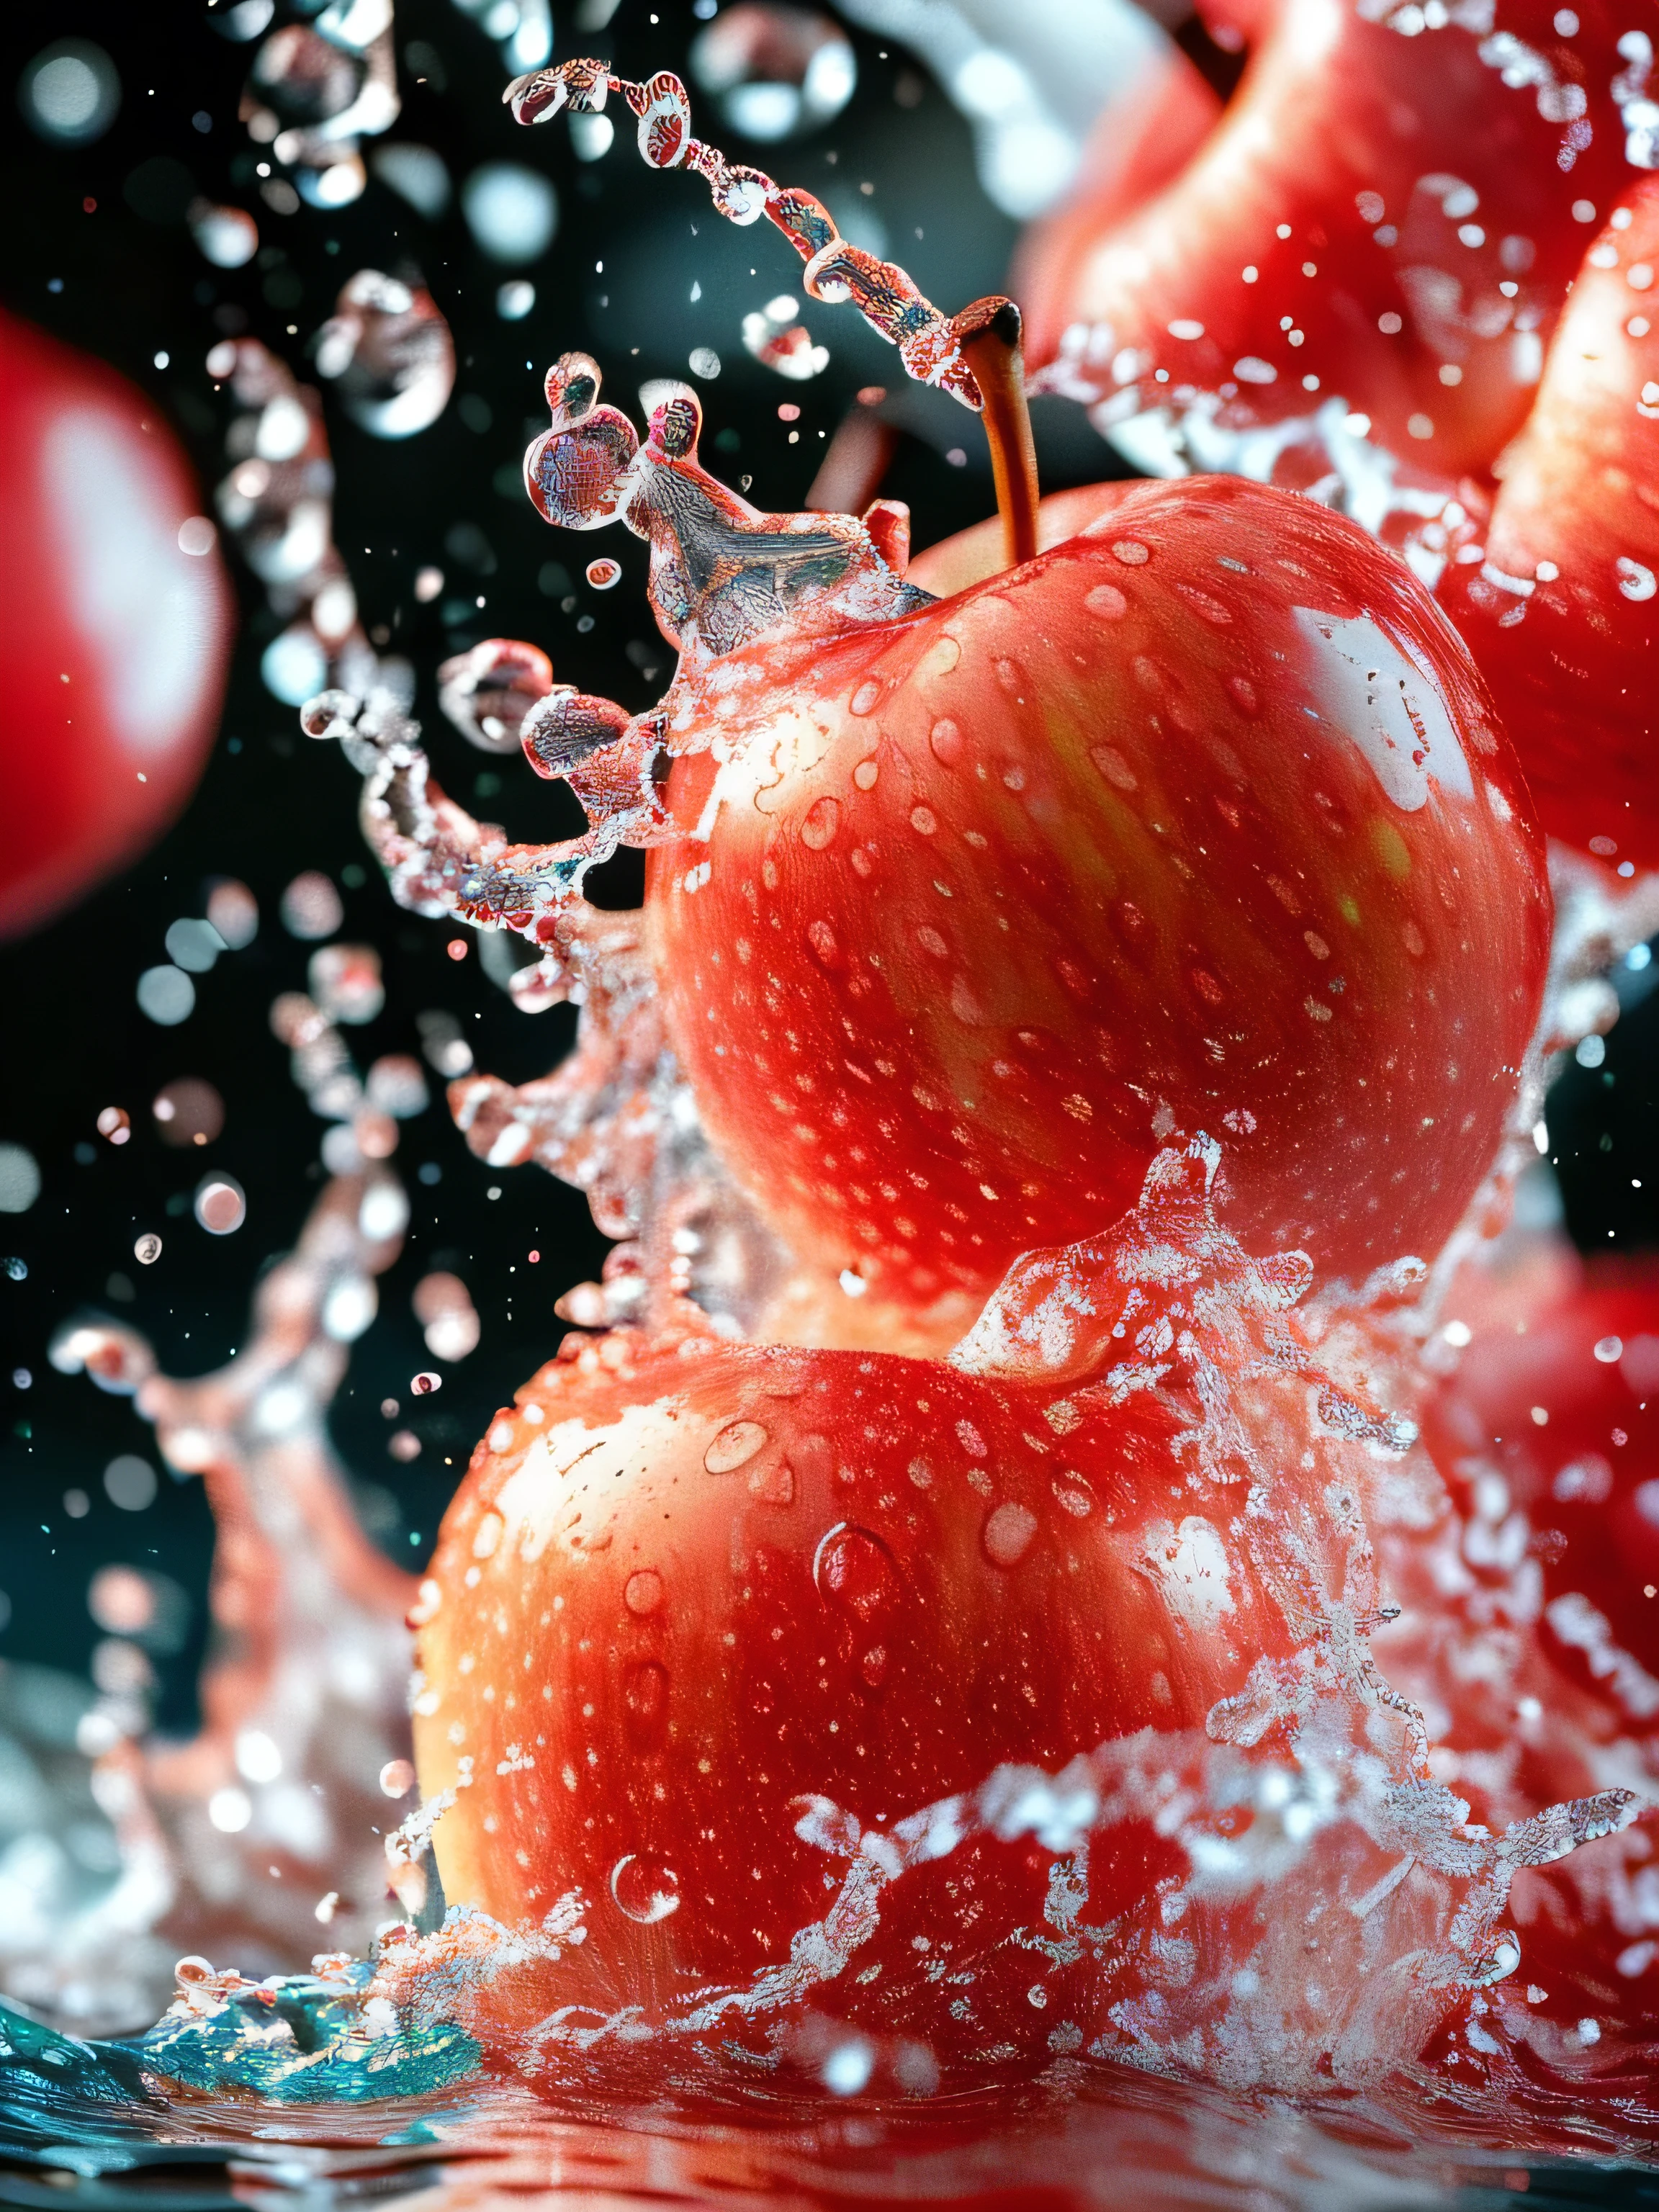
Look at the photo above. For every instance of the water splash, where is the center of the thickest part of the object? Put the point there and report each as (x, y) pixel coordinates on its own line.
(315, 91)
(389, 348)
(932, 345)
(276, 504)
(264, 1828)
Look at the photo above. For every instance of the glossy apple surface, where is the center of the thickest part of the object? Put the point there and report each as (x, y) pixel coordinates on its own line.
(1555, 1407)
(1201, 819)
(1383, 217)
(679, 1596)
(115, 637)
(1558, 597)
(842, 1711)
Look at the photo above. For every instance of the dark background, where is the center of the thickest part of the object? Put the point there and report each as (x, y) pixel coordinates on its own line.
(72, 1040)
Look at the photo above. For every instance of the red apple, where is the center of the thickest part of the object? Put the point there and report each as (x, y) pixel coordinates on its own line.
(1382, 224)
(118, 626)
(1558, 596)
(1199, 819)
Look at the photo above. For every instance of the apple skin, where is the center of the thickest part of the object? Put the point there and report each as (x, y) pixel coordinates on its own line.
(98, 590)
(639, 1655)
(1582, 1346)
(1095, 854)
(1570, 656)
(1344, 172)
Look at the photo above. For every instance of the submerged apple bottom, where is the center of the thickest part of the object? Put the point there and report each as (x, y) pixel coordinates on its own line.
(903, 1728)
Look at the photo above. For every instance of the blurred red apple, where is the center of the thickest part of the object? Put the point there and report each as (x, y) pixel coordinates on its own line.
(115, 626)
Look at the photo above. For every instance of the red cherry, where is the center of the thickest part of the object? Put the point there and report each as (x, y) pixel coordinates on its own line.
(1347, 234)
(1199, 817)
(1562, 612)
(119, 625)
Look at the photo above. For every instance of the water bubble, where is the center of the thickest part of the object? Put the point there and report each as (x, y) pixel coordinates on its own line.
(129, 1482)
(946, 742)
(511, 212)
(349, 1309)
(344, 980)
(818, 826)
(602, 574)
(404, 1446)
(855, 1571)
(487, 692)
(415, 174)
(390, 349)
(19, 1179)
(258, 1758)
(515, 299)
(230, 1810)
(397, 1086)
(775, 71)
(646, 1889)
(444, 1048)
(1007, 1533)
(384, 1210)
(425, 1383)
(121, 1601)
(17, 1270)
(147, 1248)
(114, 1124)
(310, 906)
(704, 362)
(591, 137)
(193, 944)
(735, 1447)
(293, 667)
(221, 1205)
(443, 1305)
(188, 1112)
(167, 995)
(397, 1778)
(848, 2067)
(234, 913)
(642, 1593)
(781, 344)
(70, 92)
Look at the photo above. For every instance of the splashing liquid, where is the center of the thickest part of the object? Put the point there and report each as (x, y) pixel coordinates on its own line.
(1248, 1871)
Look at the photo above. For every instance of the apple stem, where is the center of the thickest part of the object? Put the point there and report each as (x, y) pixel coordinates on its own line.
(990, 339)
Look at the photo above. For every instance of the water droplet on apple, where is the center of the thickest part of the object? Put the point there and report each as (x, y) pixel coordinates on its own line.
(646, 1889)
(642, 1592)
(819, 827)
(735, 1447)
(1007, 1533)
(946, 741)
(855, 1573)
